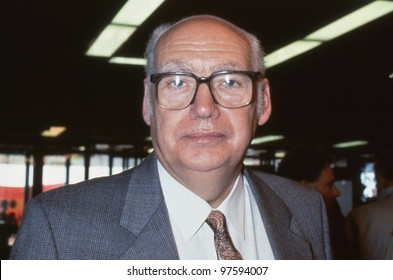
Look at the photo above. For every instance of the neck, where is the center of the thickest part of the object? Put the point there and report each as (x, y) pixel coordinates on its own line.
(212, 186)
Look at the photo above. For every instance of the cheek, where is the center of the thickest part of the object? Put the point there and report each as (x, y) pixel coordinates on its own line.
(243, 125)
(166, 125)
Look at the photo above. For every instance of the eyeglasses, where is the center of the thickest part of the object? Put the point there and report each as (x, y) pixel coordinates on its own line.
(229, 89)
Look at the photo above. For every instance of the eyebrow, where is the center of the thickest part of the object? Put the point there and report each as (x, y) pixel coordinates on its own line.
(188, 67)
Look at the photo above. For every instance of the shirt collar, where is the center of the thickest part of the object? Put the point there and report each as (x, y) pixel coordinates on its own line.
(189, 211)
(233, 207)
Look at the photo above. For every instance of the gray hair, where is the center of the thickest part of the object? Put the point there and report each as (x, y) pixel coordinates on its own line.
(257, 53)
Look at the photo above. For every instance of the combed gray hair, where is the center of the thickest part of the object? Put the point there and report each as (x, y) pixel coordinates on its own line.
(257, 53)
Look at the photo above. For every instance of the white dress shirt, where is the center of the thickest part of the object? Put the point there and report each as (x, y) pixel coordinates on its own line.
(195, 239)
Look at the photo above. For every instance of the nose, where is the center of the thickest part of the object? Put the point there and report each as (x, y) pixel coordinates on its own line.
(203, 105)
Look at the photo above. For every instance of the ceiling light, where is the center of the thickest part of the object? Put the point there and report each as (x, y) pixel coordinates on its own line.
(353, 20)
(53, 131)
(135, 12)
(267, 138)
(110, 40)
(132, 15)
(123, 25)
(279, 154)
(391, 76)
(123, 147)
(254, 152)
(289, 51)
(102, 147)
(350, 144)
(339, 27)
(128, 60)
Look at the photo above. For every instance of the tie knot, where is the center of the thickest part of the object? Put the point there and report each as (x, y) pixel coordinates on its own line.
(216, 220)
(222, 241)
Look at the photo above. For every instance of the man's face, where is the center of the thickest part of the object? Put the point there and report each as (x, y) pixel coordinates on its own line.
(325, 184)
(204, 136)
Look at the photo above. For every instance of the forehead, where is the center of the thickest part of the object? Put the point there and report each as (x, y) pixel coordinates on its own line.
(203, 44)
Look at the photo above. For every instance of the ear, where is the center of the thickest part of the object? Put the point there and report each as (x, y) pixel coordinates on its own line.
(267, 106)
(146, 103)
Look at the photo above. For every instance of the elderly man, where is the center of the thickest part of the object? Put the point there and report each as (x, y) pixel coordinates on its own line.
(205, 95)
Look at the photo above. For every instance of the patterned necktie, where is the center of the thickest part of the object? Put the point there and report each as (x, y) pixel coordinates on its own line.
(222, 241)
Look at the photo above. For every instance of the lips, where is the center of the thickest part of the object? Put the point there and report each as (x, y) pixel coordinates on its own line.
(205, 137)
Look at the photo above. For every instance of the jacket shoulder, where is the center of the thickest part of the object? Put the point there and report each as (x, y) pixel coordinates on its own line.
(283, 187)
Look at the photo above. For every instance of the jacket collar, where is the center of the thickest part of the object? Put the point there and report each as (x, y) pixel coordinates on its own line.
(283, 231)
(145, 215)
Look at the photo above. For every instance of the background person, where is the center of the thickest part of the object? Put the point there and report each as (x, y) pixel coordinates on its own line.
(370, 227)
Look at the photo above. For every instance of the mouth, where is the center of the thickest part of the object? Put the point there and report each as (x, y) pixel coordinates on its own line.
(205, 137)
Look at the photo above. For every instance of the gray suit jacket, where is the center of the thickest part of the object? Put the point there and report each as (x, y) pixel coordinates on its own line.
(125, 217)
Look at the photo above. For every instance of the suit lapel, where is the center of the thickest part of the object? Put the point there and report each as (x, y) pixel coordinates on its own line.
(283, 232)
(145, 215)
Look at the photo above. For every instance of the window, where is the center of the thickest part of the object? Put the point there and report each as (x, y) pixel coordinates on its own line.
(77, 168)
(54, 172)
(117, 165)
(13, 177)
(368, 180)
(99, 166)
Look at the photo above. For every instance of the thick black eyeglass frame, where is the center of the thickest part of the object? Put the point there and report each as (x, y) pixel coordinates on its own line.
(155, 78)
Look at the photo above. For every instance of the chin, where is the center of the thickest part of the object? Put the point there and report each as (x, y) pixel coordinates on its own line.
(204, 162)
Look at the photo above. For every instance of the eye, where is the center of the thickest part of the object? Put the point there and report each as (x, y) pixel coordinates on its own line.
(177, 82)
(230, 82)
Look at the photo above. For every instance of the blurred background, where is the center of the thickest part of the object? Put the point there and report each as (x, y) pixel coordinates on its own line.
(72, 86)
